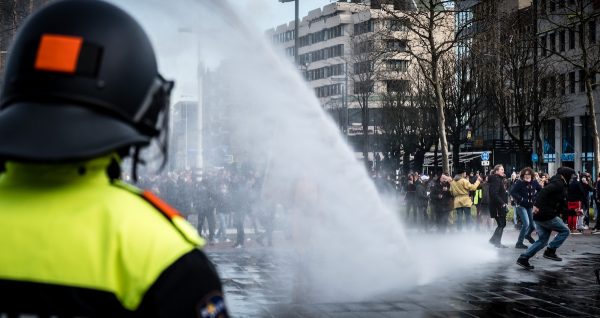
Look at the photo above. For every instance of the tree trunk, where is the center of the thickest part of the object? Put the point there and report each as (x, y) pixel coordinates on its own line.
(365, 124)
(441, 124)
(538, 145)
(456, 154)
(591, 108)
(435, 157)
(405, 162)
(419, 159)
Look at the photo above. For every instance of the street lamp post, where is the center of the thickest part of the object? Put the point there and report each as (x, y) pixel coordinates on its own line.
(296, 31)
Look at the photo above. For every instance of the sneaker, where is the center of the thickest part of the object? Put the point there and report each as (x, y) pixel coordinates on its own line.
(524, 262)
(551, 254)
(498, 245)
(227, 240)
(585, 227)
(596, 232)
(521, 246)
(238, 246)
(576, 232)
(530, 239)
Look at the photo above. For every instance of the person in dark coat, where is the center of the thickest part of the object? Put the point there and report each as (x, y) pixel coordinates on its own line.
(422, 198)
(442, 202)
(596, 229)
(204, 203)
(498, 203)
(549, 204)
(578, 193)
(524, 192)
(411, 198)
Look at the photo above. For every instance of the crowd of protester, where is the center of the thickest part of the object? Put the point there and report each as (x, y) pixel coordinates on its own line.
(463, 202)
(217, 202)
(224, 205)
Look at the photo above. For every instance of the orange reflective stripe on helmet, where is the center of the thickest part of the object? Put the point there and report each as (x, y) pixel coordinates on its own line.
(58, 53)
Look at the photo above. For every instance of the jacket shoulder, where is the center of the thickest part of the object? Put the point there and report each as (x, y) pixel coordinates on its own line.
(154, 204)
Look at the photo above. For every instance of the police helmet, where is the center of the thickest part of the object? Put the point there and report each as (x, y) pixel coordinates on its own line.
(81, 80)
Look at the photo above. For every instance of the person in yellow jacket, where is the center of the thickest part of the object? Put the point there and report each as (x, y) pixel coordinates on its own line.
(81, 91)
(460, 188)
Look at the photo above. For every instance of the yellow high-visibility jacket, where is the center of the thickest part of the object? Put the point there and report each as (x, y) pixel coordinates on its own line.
(77, 244)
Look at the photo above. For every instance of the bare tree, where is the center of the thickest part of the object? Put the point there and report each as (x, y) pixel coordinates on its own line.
(463, 100)
(577, 19)
(364, 62)
(408, 114)
(432, 35)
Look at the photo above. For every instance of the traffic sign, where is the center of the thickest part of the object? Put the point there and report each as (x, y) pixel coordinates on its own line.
(485, 163)
(485, 156)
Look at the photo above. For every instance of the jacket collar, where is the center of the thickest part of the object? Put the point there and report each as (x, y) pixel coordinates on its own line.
(30, 174)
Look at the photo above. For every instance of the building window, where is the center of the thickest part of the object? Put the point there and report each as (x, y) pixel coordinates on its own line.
(561, 40)
(396, 45)
(549, 135)
(552, 6)
(568, 135)
(397, 65)
(543, 45)
(572, 82)
(562, 85)
(552, 86)
(587, 140)
(328, 90)
(363, 27)
(592, 31)
(397, 24)
(581, 81)
(552, 42)
(363, 87)
(571, 39)
(397, 86)
(544, 88)
(364, 47)
(561, 4)
(363, 67)
(543, 7)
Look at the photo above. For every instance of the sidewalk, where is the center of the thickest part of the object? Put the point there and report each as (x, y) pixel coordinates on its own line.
(552, 289)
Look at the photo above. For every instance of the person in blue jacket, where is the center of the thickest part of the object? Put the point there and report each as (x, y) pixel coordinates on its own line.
(524, 192)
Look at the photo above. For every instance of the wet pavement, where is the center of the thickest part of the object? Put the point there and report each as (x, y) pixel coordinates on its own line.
(256, 288)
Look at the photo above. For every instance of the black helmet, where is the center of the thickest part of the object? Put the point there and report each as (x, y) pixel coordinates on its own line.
(81, 80)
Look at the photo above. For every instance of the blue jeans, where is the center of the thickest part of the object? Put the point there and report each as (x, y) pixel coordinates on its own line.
(466, 211)
(544, 229)
(527, 220)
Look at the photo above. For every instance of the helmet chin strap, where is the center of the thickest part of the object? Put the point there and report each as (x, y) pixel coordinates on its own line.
(159, 93)
(134, 164)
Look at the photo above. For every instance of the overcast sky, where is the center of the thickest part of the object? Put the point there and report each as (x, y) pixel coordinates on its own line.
(177, 50)
(271, 13)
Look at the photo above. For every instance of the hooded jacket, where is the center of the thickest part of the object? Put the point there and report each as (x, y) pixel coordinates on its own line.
(552, 199)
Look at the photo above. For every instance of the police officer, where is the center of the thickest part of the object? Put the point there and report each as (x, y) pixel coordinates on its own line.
(82, 91)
